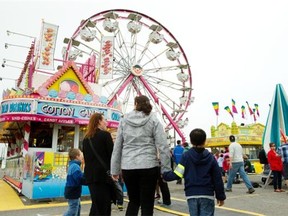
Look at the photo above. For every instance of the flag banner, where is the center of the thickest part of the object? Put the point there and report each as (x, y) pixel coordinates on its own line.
(234, 110)
(250, 110)
(106, 57)
(216, 107)
(47, 46)
(243, 111)
(254, 116)
(229, 111)
(257, 109)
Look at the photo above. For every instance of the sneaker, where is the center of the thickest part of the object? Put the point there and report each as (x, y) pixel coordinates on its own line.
(165, 205)
(228, 190)
(251, 190)
(157, 196)
(120, 207)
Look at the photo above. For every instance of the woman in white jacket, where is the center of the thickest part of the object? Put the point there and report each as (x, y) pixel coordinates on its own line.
(139, 136)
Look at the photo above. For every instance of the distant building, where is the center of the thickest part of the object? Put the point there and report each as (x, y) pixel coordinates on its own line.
(249, 136)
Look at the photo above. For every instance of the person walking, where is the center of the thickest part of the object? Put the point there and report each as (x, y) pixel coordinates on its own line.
(237, 165)
(140, 136)
(226, 164)
(164, 188)
(120, 202)
(276, 167)
(186, 146)
(74, 182)
(98, 139)
(177, 152)
(203, 180)
(220, 161)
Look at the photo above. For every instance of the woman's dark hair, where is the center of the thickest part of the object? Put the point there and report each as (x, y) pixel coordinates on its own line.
(198, 137)
(271, 144)
(142, 103)
(93, 124)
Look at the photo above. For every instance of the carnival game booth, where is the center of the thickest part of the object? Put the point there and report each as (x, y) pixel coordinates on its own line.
(40, 125)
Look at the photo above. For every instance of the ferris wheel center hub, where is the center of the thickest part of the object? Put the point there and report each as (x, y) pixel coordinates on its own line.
(137, 70)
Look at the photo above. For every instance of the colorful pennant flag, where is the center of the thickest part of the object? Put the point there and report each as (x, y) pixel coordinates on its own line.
(216, 107)
(234, 110)
(243, 111)
(257, 109)
(254, 116)
(250, 110)
(229, 111)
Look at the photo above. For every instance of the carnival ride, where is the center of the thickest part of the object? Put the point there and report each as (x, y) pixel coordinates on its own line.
(112, 57)
(134, 54)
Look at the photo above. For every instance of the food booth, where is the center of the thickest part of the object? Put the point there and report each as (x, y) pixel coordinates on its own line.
(41, 123)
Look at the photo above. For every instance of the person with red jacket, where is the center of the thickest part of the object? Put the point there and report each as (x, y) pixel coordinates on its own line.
(226, 164)
(276, 166)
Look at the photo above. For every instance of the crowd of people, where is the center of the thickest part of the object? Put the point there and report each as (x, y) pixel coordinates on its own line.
(140, 158)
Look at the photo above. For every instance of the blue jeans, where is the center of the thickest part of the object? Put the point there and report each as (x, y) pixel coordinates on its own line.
(201, 206)
(120, 202)
(238, 167)
(74, 207)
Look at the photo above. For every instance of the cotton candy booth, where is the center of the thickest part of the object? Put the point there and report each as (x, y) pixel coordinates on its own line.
(40, 124)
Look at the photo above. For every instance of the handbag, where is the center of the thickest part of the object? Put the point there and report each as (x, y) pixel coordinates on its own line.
(116, 192)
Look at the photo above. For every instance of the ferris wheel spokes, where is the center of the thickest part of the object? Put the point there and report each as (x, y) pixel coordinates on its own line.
(146, 59)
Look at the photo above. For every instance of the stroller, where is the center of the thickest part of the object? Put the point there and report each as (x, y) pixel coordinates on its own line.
(266, 173)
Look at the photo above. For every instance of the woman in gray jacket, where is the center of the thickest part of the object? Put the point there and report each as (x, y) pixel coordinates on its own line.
(140, 136)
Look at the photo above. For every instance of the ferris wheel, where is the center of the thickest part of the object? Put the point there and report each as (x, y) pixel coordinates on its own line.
(135, 55)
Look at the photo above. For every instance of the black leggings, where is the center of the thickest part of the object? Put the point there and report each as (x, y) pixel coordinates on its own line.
(141, 184)
(101, 199)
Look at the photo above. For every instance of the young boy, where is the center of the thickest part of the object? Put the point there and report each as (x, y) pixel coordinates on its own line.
(74, 181)
(202, 177)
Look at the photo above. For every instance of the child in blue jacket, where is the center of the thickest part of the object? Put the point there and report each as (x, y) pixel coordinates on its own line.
(203, 179)
(74, 181)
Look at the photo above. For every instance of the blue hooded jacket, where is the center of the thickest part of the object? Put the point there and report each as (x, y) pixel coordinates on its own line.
(201, 173)
(74, 181)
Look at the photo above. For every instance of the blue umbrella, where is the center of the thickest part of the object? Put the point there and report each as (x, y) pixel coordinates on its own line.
(277, 120)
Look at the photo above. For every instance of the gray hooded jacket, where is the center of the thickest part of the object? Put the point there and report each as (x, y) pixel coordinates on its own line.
(139, 139)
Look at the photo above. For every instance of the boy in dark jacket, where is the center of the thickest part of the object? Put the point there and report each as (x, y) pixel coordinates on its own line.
(203, 180)
(74, 181)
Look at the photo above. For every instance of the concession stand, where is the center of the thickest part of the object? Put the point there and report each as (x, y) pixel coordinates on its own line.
(40, 120)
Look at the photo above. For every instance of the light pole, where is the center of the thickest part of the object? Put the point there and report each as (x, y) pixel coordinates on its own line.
(20, 34)
(4, 63)
(6, 78)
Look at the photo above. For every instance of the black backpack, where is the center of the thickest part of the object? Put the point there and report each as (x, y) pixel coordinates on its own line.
(262, 157)
(255, 184)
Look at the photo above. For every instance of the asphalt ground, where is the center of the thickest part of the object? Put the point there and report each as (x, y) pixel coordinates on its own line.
(263, 202)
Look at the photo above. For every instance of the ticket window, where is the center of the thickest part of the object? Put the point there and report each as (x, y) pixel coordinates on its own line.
(66, 138)
(41, 135)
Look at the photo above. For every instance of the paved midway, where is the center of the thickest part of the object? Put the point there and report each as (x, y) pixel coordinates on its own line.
(263, 202)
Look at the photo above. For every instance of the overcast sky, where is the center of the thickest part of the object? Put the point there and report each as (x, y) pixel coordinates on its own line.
(236, 49)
